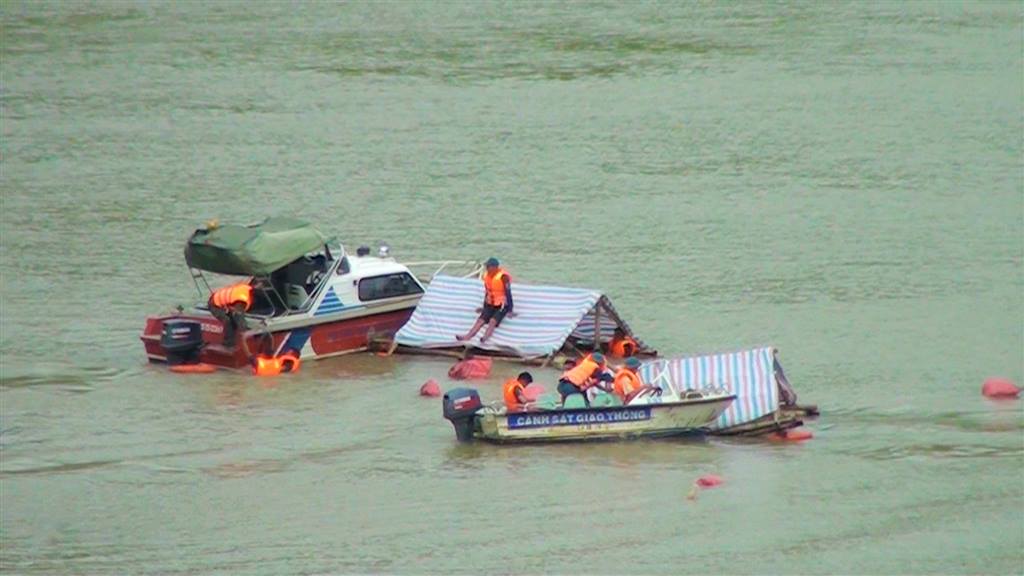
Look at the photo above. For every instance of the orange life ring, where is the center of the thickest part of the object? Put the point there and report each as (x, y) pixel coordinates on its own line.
(200, 368)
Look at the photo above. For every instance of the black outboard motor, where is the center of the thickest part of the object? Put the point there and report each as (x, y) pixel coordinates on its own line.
(460, 404)
(181, 341)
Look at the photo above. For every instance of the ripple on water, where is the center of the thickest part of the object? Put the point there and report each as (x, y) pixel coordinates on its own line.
(34, 469)
(78, 380)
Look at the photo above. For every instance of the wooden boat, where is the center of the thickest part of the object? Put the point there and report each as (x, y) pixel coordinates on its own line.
(782, 419)
(657, 419)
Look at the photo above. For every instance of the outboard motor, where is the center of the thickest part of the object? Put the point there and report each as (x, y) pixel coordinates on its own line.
(182, 340)
(460, 404)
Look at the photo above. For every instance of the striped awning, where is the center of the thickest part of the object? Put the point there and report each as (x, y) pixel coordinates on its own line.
(545, 317)
(749, 374)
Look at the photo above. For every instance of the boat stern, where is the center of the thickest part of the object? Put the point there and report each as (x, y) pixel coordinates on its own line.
(460, 407)
(211, 351)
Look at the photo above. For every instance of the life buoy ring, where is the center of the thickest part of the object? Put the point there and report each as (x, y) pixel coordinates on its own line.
(200, 368)
(274, 365)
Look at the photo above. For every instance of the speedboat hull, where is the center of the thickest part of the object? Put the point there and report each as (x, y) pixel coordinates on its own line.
(676, 418)
(313, 337)
(304, 293)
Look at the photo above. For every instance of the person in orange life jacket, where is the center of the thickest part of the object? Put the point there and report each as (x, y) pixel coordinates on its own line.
(621, 346)
(599, 381)
(229, 305)
(627, 380)
(513, 390)
(497, 301)
(263, 365)
(588, 372)
(602, 383)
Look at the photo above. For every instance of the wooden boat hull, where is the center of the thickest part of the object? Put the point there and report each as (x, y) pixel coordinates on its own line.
(784, 418)
(607, 423)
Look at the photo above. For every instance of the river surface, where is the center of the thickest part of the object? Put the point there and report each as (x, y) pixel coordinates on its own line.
(842, 181)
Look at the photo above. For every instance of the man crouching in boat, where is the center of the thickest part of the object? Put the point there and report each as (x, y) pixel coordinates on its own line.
(497, 301)
(513, 391)
(627, 381)
(229, 305)
(583, 375)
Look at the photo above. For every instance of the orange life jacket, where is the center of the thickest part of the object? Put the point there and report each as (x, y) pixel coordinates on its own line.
(494, 287)
(582, 372)
(618, 347)
(274, 365)
(511, 386)
(227, 296)
(626, 382)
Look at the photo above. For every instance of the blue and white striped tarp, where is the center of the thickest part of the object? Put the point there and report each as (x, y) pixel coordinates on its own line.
(749, 374)
(545, 316)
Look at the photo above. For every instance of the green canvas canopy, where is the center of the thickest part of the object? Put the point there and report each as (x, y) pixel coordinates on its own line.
(255, 250)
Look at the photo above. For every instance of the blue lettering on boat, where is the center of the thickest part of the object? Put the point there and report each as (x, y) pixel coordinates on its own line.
(574, 418)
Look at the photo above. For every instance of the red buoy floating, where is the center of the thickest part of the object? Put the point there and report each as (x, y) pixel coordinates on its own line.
(705, 481)
(199, 368)
(1000, 388)
(430, 388)
(792, 435)
(709, 481)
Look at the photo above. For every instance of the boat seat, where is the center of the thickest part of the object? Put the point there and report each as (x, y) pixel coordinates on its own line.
(296, 296)
(574, 401)
(545, 402)
(604, 400)
(304, 271)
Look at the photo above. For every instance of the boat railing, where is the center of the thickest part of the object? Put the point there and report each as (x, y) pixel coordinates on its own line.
(426, 270)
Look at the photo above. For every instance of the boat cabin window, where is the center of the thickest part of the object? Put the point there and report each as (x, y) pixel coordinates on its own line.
(388, 286)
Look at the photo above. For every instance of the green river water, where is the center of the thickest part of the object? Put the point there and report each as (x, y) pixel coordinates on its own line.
(840, 180)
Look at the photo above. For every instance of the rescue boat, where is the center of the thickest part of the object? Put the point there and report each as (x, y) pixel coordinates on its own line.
(652, 417)
(309, 295)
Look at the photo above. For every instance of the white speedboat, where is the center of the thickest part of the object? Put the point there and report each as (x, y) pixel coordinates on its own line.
(310, 295)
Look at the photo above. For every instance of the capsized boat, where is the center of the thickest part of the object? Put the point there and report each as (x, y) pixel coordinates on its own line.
(549, 321)
(654, 417)
(310, 295)
(766, 402)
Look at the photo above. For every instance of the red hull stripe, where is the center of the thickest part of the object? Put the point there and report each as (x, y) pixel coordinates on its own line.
(327, 338)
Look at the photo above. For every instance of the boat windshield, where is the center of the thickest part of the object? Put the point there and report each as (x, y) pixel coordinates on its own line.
(292, 288)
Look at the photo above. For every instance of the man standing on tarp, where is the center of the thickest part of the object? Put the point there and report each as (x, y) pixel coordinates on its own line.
(497, 301)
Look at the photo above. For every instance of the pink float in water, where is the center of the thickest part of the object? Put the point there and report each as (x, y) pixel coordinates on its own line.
(705, 481)
(1000, 388)
(532, 392)
(470, 369)
(709, 481)
(430, 388)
